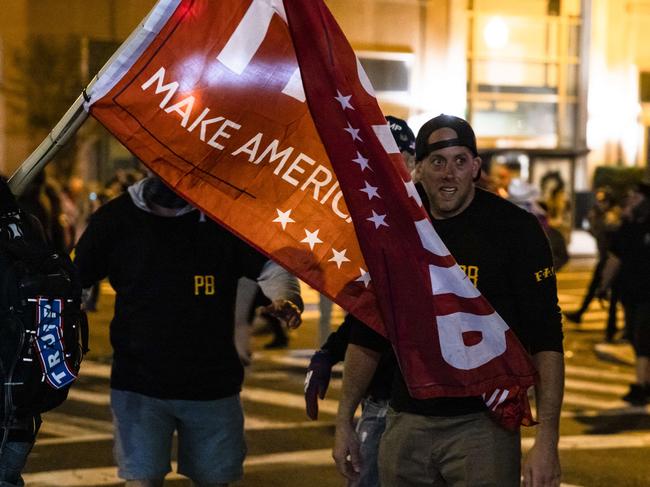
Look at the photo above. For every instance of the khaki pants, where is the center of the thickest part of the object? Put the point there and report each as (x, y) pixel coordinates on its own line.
(469, 450)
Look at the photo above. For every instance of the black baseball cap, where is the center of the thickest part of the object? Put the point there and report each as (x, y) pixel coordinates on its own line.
(402, 134)
(464, 136)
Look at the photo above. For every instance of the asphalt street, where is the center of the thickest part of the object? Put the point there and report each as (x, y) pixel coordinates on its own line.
(604, 441)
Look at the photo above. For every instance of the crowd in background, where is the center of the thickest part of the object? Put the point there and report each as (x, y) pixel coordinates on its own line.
(63, 207)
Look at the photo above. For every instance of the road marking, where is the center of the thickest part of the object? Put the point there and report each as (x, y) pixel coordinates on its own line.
(574, 276)
(59, 424)
(579, 371)
(293, 360)
(597, 442)
(90, 368)
(286, 399)
(586, 386)
(592, 403)
(89, 397)
(86, 438)
(255, 423)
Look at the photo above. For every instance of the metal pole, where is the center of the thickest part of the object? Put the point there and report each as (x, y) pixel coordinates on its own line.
(67, 126)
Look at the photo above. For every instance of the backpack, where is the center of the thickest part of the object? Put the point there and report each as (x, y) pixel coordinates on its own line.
(43, 330)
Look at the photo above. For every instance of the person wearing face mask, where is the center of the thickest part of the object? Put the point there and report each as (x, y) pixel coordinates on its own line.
(175, 366)
(629, 261)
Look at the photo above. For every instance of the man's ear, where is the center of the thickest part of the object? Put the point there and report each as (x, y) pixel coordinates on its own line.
(416, 173)
(478, 163)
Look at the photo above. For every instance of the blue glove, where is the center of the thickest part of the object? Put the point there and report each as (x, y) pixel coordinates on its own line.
(317, 380)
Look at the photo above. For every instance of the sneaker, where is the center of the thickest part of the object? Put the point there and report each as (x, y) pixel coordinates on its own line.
(637, 396)
(573, 316)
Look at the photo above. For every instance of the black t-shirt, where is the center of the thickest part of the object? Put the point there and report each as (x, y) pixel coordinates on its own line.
(631, 244)
(505, 253)
(175, 280)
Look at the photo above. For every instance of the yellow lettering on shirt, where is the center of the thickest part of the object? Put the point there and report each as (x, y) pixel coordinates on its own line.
(204, 285)
(544, 274)
(471, 271)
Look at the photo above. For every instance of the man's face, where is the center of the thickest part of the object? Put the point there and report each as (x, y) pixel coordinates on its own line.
(447, 176)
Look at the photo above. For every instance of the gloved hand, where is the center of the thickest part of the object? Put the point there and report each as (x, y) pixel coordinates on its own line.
(317, 380)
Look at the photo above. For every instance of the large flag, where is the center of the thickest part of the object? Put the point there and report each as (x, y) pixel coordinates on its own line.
(260, 114)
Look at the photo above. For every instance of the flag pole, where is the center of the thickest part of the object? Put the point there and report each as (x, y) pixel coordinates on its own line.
(45, 152)
(78, 113)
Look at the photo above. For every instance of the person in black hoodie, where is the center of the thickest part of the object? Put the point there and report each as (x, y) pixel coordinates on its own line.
(175, 366)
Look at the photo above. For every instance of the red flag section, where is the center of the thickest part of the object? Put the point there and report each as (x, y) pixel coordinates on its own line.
(266, 121)
(215, 106)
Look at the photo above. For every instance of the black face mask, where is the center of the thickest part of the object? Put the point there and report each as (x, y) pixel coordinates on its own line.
(155, 191)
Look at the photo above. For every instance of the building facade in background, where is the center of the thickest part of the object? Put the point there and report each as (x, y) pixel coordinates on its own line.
(549, 85)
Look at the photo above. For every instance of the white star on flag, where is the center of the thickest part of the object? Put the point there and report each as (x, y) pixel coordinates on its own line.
(339, 257)
(311, 238)
(283, 218)
(413, 192)
(378, 220)
(362, 161)
(364, 277)
(371, 191)
(344, 100)
(354, 133)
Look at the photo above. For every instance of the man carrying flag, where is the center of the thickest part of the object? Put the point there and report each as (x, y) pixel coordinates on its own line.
(502, 249)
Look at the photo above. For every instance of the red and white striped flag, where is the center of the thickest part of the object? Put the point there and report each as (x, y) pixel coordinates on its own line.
(260, 114)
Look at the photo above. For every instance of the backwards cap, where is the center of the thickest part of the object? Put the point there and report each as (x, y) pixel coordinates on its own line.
(402, 134)
(464, 136)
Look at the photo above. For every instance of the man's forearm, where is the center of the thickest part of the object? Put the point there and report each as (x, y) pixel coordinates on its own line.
(358, 369)
(548, 394)
(278, 283)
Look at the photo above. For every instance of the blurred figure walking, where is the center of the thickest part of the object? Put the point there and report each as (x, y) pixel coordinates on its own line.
(629, 259)
(604, 220)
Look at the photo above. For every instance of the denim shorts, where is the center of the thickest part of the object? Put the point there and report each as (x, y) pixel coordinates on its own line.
(211, 446)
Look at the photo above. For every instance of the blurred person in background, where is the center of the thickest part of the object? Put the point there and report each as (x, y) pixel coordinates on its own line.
(629, 260)
(556, 203)
(526, 196)
(41, 198)
(604, 219)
